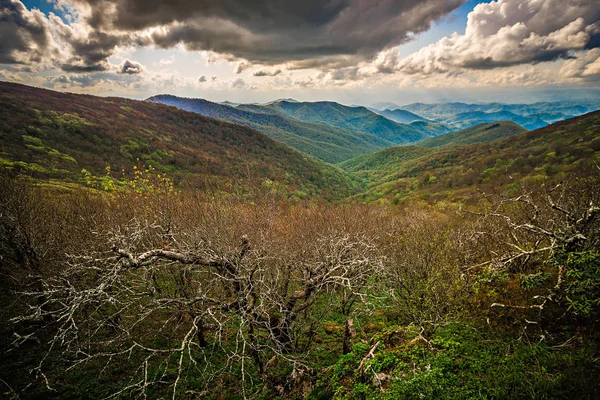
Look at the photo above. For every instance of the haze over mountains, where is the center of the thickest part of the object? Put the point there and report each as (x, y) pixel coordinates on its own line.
(530, 116)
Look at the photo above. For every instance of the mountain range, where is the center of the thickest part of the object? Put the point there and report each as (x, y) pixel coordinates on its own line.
(52, 135)
(530, 116)
(326, 130)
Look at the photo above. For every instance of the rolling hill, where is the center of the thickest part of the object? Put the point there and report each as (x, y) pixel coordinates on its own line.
(328, 143)
(506, 164)
(486, 132)
(358, 119)
(55, 135)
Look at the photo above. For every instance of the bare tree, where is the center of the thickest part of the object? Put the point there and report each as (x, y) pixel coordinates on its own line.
(223, 287)
(532, 232)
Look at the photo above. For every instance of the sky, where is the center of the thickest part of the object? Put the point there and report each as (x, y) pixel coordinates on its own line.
(350, 51)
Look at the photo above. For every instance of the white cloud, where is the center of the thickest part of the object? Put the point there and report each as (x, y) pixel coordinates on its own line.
(238, 83)
(511, 32)
(585, 66)
(166, 61)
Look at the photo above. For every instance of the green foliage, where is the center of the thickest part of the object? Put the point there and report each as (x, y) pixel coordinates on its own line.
(486, 132)
(532, 281)
(582, 288)
(461, 362)
(55, 135)
(521, 160)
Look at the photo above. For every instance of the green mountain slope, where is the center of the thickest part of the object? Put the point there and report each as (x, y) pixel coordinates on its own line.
(455, 172)
(486, 132)
(358, 119)
(328, 143)
(55, 135)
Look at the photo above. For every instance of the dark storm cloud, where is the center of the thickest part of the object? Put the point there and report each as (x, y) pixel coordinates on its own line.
(79, 68)
(24, 34)
(273, 31)
(265, 72)
(96, 46)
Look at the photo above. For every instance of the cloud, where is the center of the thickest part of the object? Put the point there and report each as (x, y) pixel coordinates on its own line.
(26, 35)
(83, 68)
(271, 31)
(585, 66)
(241, 67)
(67, 81)
(512, 32)
(239, 83)
(202, 79)
(266, 72)
(30, 37)
(131, 68)
(166, 61)
(93, 48)
(350, 73)
(386, 61)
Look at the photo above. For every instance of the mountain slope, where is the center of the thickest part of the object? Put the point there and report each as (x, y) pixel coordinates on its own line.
(401, 116)
(486, 132)
(55, 135)
(358, 119)
(331, 144)
(454, 172)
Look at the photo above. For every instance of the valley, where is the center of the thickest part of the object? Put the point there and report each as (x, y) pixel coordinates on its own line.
(178, 233)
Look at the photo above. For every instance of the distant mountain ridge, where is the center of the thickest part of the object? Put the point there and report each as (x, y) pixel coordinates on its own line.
(327, 130)
(331, 144)
(358, 119)
(485, 132)
(531, 116)
(401, 116)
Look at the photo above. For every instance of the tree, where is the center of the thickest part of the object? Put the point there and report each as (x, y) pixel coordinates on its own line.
(227, 286)
(550, 238)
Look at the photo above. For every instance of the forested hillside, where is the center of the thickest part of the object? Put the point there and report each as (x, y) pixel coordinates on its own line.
(457, 172)
(358, 119)
(486, 132)
(56, 135)
(328, 143)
